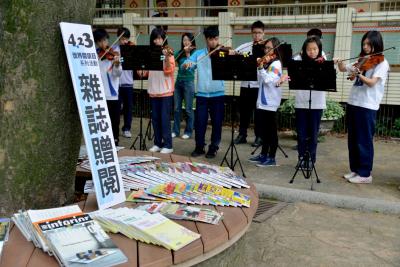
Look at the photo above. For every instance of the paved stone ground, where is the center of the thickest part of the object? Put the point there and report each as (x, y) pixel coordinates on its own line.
(314, 235)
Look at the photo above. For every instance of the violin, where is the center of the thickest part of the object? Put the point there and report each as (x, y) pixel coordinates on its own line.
(108, 54)
(130, 43)
(169, 51)
(365, 63)
(261, 62)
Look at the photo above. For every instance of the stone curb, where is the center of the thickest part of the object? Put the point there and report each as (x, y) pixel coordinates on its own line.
(333, 200)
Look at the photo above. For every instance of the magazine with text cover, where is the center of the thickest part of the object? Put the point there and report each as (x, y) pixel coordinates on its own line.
(80, 241)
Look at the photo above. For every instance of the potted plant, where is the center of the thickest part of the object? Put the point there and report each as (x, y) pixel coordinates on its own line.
(332, 113)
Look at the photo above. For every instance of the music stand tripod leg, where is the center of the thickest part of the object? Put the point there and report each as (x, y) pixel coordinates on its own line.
(232, 147)
(139, 137)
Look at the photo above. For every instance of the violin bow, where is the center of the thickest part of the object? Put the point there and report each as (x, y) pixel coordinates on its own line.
(108, 50)
(252, 44)
(366, 56)
(210, 53)
(166, 37)
(193, 38)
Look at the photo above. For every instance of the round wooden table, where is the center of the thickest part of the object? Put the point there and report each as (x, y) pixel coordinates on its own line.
(214, 238)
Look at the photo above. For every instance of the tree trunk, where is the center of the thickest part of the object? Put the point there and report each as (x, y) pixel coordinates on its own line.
(40, 130)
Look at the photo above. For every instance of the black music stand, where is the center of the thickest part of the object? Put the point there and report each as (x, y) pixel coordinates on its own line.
(310, 76)
(233, 68)
(142, 57)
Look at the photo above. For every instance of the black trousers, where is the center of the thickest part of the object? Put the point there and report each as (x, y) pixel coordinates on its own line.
(114, 110)
(269, 130)
(360, 132)
(307, 125)
(247, 105)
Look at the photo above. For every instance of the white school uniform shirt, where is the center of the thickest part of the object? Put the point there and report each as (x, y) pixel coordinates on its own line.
(369, 97)
(269, 95)
(247, 48)
(110, 77)
(318, 98)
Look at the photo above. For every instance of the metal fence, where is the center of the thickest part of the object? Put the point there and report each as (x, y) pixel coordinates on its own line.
(115, 8)
(387, 121)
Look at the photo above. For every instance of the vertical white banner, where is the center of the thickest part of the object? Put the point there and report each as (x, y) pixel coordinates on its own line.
(95, 119)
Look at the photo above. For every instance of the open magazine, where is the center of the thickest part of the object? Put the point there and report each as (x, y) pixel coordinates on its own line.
(184, 212)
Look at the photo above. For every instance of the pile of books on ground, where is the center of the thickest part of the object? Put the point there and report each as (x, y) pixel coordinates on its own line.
(184, 212)
(73, 237)
(142, 173)
(4, 230)
(146, 227)
(189, 193)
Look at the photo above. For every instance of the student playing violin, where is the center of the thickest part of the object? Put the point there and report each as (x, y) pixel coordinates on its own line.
(111, 70)
(184, 87)
(249, 89)
(126, 86)
(210, 95)
(308, 119)
(161, 90)
(369, 73)
(268, 101)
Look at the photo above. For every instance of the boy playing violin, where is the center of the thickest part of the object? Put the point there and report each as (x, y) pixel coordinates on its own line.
(210, 96)
(249, 89)
(111, 70)
(364, 100)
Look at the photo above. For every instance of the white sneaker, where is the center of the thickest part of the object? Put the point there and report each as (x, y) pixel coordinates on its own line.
(185, 136)
(361, 180)
(154, 149)
(173, 135)
(127, 134)
(350, 175)
(166, 150)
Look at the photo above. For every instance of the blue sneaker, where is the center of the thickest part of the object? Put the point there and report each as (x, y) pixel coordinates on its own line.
(258, 159)
(269, 162)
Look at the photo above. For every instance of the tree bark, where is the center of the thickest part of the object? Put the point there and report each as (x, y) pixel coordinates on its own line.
(40, 130)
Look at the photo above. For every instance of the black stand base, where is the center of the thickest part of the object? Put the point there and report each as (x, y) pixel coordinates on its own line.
(234, 159)
(279, 147)
(307, 167)
(142, 139)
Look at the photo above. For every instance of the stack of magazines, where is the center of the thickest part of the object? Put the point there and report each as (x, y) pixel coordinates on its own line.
(183, 212)
(146, 227)
(142, 173)
(72, 236)
(200, 194)
(4, 230)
